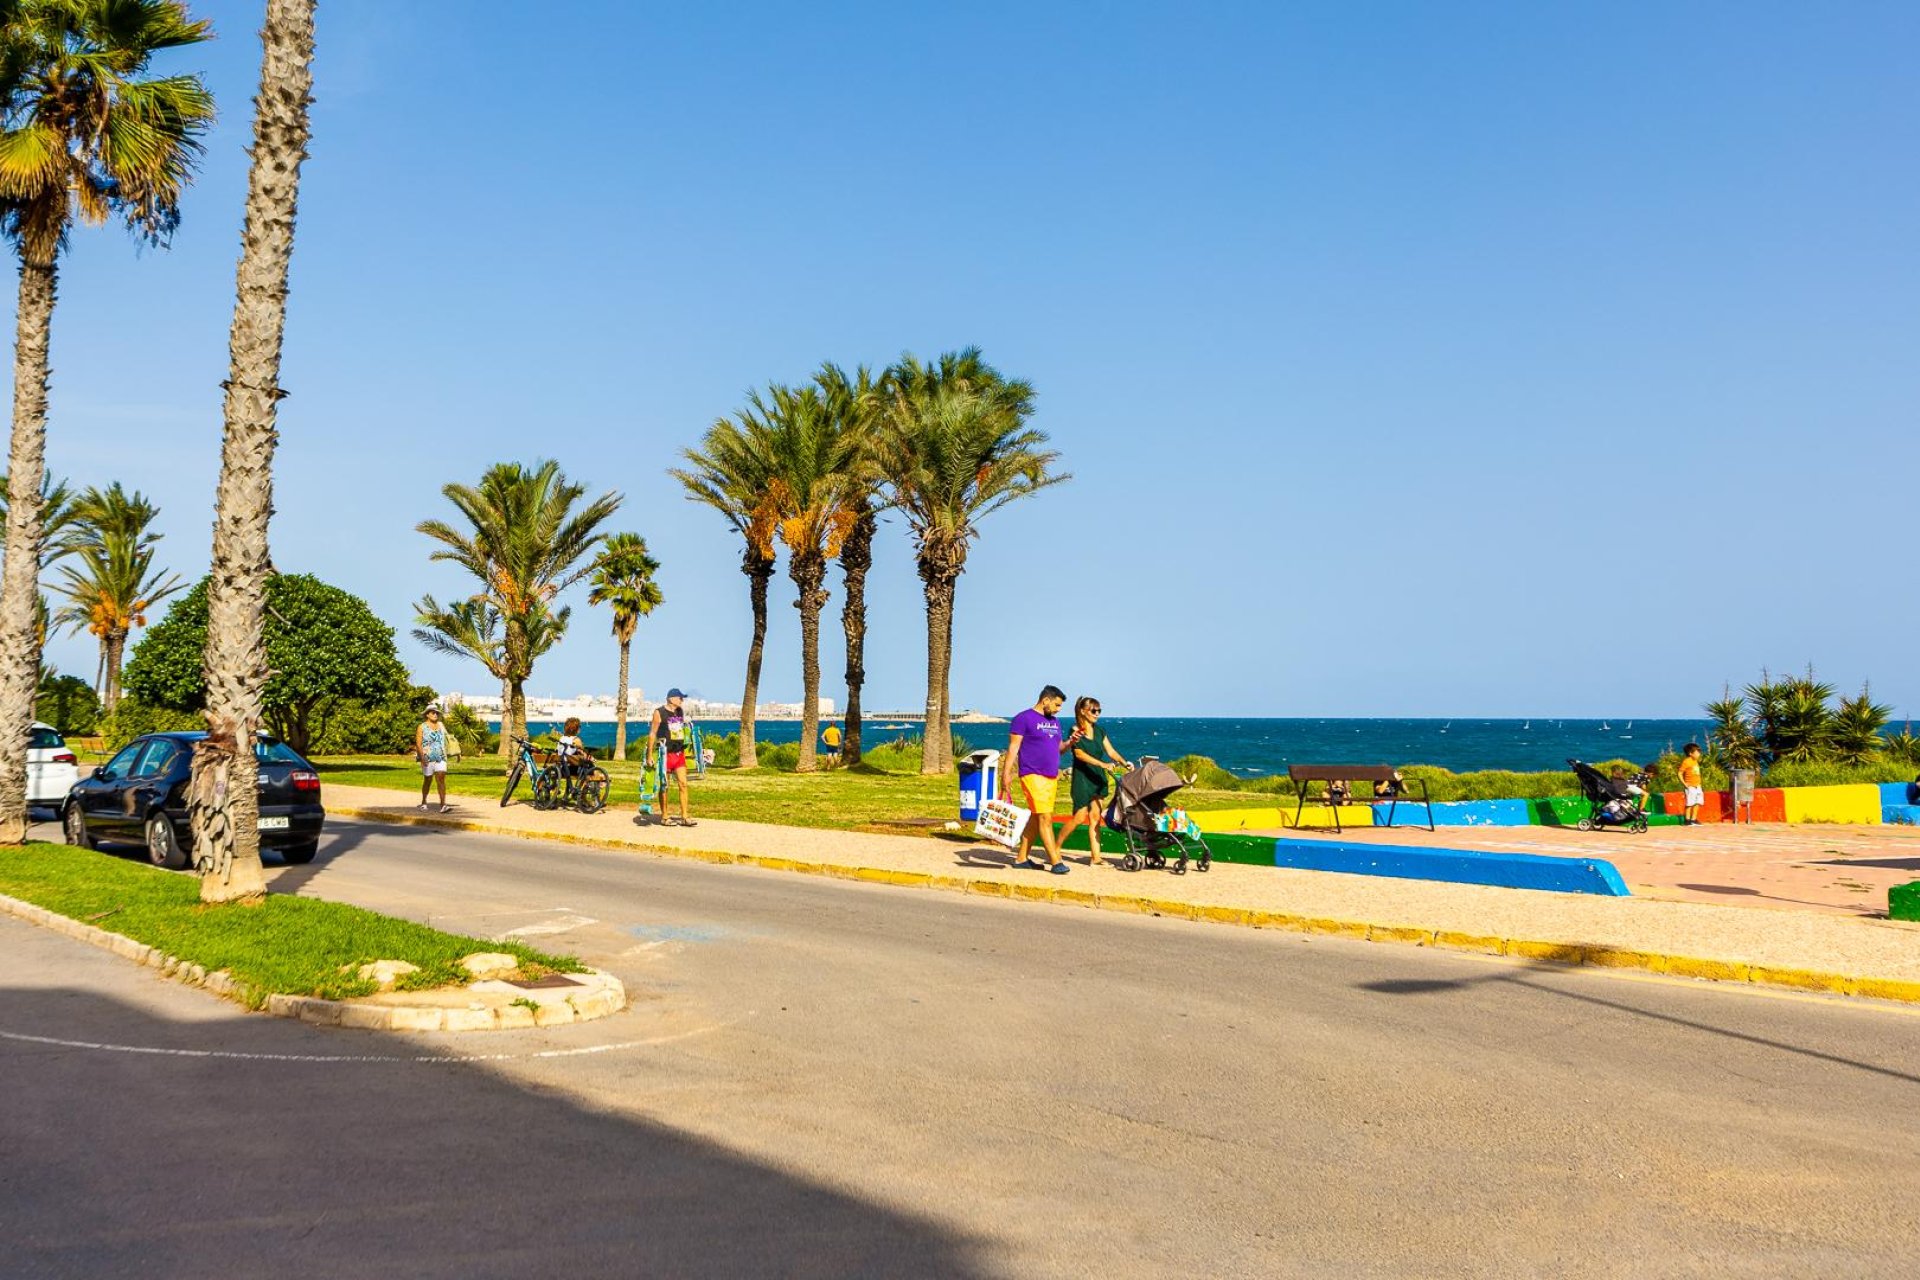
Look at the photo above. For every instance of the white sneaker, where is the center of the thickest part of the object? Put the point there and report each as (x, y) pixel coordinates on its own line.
(422, 806)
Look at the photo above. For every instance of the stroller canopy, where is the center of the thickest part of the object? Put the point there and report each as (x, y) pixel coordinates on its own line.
(1148, 785)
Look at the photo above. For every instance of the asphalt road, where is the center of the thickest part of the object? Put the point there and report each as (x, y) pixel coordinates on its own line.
(830, 1079)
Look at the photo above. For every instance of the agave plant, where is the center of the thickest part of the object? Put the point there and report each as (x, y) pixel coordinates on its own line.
(1732, 741)
(1854, 735)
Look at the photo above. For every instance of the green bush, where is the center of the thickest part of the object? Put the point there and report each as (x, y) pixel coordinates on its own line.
(69, 704)
(133, 717)
(1820, 773)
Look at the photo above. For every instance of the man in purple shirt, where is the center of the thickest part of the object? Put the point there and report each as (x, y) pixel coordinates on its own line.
(1033, 754)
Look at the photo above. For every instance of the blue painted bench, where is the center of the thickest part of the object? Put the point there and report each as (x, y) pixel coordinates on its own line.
(1453, 866)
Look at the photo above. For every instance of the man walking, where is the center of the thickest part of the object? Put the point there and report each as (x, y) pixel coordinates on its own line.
(1033, 753)
(670, 735)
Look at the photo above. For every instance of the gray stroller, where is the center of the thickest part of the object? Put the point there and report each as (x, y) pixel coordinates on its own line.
(1138, 799)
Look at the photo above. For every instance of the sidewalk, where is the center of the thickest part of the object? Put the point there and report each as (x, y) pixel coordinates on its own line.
(1808, 949)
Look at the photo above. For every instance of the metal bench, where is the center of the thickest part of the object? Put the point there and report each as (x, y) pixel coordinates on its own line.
(1305, 775)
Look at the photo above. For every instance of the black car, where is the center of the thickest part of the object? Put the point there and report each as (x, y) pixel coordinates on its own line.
(141, 795)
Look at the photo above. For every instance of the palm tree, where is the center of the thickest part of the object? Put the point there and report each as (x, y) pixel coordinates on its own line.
(111, 581)
(85, 134)
(59, 521)
(855, 403)
(954, 447)
(525, 540)
(623, 579)
(731, 472)
(1856, 728)
(817, 494)
(472, 629)
(222, 800)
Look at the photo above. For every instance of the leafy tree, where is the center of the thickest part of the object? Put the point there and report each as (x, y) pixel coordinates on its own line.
(465, 726)
(622, 579)
(68, 704)
(732, 472)
(954, 446)
(110, 581)
(85, 133)
(525, 537)
(854, 403)
(384, 727)
(323, 645)
(817, 490)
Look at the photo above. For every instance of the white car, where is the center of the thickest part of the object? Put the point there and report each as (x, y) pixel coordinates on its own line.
(51, 767)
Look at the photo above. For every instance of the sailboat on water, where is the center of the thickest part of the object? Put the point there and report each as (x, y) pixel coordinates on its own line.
(1605, 727)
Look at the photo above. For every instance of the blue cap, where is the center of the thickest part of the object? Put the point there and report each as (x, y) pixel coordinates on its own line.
(675, 693)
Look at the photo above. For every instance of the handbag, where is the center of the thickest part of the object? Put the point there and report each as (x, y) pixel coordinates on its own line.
(1001, 821)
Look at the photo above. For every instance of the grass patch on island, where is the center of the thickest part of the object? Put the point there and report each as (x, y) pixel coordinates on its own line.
(282, 946)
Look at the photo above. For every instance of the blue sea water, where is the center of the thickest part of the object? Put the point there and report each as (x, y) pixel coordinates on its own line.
(1253, 747)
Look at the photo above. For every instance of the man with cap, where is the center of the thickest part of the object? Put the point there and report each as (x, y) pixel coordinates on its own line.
(671, 732)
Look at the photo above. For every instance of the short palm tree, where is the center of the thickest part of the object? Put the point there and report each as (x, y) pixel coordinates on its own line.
(954, 447)
(472, 629)
(85, 134)
(854, 401)
(622, 579)
(818, 491)
(1855, 734)
(223, 801)
(527, 533)
(732, 472)
(110, 581)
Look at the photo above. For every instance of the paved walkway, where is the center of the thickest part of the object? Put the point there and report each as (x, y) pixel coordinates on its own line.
(1821, 950)
(1811, 867)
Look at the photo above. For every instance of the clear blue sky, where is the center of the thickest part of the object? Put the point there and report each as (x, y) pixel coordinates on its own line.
(1409, 358)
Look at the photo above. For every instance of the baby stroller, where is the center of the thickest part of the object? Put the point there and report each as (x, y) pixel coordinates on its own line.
(1614, 802)
(1138, 811)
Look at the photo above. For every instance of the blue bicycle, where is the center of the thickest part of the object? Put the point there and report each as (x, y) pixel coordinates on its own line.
(555, 787)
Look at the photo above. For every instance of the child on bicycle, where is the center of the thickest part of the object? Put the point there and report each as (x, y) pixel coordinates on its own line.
(570, 755)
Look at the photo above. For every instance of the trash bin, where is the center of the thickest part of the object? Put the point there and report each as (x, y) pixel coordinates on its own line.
(979, 782)
(1742, 782)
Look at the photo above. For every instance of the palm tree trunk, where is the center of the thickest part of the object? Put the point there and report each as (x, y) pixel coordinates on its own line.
(808, 570)
(506, 718)
(856, 557)
(758, 570)
(620, 708)
(224, 805)
(939, 593)
(518, 710)
(20, 583)
(115, 650)
(946, 683)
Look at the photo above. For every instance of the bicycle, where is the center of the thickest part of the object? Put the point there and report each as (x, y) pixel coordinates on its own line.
(554, 787)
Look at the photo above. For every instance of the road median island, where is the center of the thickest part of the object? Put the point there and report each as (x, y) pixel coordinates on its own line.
(299, 957)
(1805, 950)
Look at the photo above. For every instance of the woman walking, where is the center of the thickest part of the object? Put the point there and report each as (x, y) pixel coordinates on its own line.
(430, 749)
(1090, 770)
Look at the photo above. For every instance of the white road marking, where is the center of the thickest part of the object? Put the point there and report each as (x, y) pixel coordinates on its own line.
(565, 924)
(430, 1058)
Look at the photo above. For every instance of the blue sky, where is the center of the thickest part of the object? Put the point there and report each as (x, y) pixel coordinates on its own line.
(1409, 359)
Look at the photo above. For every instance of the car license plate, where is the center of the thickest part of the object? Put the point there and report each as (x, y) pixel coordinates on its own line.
(273, 824)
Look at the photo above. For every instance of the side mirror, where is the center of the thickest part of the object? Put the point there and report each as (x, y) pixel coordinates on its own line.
(103, 774)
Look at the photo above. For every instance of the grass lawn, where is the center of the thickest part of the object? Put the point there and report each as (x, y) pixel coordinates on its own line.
(889, 792)
(285, 945)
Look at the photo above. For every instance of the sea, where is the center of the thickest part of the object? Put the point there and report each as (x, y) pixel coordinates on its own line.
(1257, 747)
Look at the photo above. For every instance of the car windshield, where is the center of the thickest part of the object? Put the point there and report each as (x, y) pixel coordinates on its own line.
(273, 751)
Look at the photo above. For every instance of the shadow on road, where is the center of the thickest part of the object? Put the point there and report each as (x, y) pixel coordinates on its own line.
(1438, 986)
(178, 1164)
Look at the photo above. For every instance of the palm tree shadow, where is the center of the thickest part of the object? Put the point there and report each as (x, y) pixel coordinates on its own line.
(1437, 986)
(177, 1164)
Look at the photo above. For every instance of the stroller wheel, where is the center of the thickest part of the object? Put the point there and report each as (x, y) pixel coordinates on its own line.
(1206, 862)
(1639, 824)
(1130, 863)
(1586, 824)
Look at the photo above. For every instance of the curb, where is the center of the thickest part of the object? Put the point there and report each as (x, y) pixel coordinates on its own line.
(604, 995)
(1564, 953)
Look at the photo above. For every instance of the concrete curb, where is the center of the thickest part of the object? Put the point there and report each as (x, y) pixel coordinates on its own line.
(1565, 953)
(603, 995)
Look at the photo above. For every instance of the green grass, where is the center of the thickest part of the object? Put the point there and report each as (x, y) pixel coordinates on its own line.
(887, 792)
(283, 946)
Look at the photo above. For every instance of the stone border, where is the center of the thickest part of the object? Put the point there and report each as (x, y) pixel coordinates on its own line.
(552, 1006)
(1563, 953)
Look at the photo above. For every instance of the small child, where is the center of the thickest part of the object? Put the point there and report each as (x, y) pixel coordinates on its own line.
(1690, 779)
(571, 754)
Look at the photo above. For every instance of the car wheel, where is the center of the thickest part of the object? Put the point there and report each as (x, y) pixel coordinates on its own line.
(299, 855)
(163, 847)
(74, 824)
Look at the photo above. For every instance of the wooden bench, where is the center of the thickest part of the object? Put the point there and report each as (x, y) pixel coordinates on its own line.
(1305, 775)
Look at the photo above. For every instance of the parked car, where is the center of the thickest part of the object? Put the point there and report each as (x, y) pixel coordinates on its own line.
(51, 767)
(140, 796)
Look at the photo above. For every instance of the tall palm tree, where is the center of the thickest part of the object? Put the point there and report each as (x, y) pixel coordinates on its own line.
(623, 580)
(527, 533)
(817, 491)
(954, 446)
(111, 580)
(854, 403)
(731, 472)
(85, 133)
(472, 628)
(223, 802)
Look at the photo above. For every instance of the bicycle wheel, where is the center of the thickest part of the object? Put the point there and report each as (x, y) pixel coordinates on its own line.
(513, 780)
(544, 791)
(593, 792)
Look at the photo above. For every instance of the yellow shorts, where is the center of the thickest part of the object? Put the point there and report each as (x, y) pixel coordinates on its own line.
(1039, 791)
